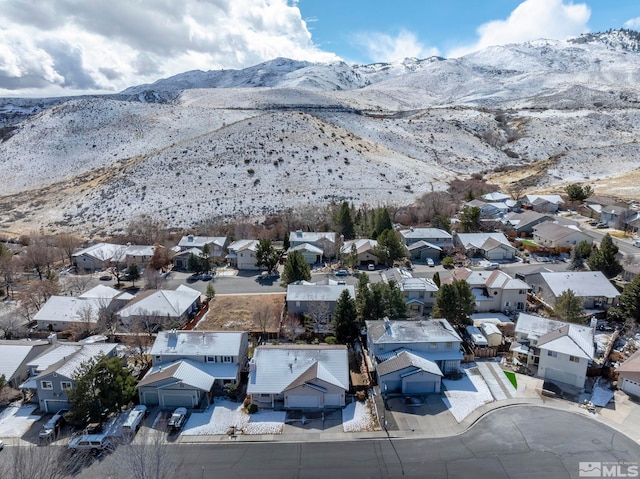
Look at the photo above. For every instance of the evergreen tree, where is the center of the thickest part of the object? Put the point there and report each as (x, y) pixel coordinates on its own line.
(381, 222)
(442, 222)
(364, 298)
(266, 255)
(569, 307)
(134, 273)
(344, 319)
(352, 259)
(295, 269)
(604, 258)
(389, 248)
(470, 219)
(454, 302)
(576, 262)
(629, 305)
(396, 302)
(344, 224)
(436, 279)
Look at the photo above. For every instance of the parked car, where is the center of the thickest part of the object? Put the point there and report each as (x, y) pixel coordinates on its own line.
(371, 267)
(492, 266)
(342, 272)
(105, 277)
(93, 443)
(178, 418)
(52, 427)
(206, 277)
(636, 244)
(430, 262)
(134, 420)
(602, 226)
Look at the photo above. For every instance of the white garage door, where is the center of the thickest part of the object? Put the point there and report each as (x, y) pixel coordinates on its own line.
(54, 405)
(150, 398)
(333, 400)
(560, 376)
(304, 401)
(419, 387)
(177, 400)
(631, 387)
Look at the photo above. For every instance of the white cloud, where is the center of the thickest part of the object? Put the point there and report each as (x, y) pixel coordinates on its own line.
(531, 20)
(633, 24)
(76, 46)
(381, 47)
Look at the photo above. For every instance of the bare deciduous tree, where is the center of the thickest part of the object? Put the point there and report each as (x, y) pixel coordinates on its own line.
(146, 230)
(67, 243)
(77, 283)
(34, 297)
(318, 317)
(290, 327)
(38, 256)
(12, 325)
(33, 462)
(264, 319)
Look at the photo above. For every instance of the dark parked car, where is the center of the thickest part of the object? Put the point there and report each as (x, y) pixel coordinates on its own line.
(206, 277)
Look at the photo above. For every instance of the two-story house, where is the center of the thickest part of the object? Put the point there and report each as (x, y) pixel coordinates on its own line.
(364, 248)
(434, 236)
(592, 287)
(15, 355)
(522, 223)
(52, 373)
(314, 245)
(242, 254)
(186, 365)
(420, 293)
(493, 290)
(433, 339)
(542, 203)
(317, 302)
(213, 247)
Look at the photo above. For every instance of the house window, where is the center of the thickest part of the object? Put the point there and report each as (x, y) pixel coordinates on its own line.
(46, 384)
(449, 345)
(553, 354)
(575, 359)
(210, 359)
(227, 359)
(65, 385)
(433, 345)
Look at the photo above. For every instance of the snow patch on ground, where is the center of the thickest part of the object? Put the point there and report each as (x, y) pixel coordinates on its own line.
(465, 395)
(357, 417)
(602, 394)
(223, 415)
(16, 420)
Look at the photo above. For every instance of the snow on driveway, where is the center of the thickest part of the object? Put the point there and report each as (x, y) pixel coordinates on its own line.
(357, 417)
(223, 415)
(465, 395)
(16, 420)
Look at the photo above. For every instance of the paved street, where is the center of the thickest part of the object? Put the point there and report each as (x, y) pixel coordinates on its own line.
(511, 442)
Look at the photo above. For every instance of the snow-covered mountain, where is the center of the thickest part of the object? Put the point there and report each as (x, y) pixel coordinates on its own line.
(285, 133)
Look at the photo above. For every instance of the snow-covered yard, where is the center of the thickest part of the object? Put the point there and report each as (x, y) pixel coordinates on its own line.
(223, 415)
(357, 417)
(16, 419)
(465, 395)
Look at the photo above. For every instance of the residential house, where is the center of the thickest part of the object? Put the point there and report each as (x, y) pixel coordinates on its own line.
(630, 271)
(98, 257)
(181, 258)
(421, 251)
(215, 244)
(488, 210)
(294, 376)
(592, 287)
(522, 223)
(52, 373)
(364, 249)
(107, 296)
(433, 236)
(407, 373)
(564, 355)
(629, 375)
(186, 365)
(325, 241)
(490, 246)
(312, 254)
(140, 255)
(555, 235)
(317, 301)
(15, 354)
(542, 203)
(617, 215)
(433, 339)
(495, 197)
(420, 293)
(493, 290)
(60, 313)
(242, 254)
(164, 308)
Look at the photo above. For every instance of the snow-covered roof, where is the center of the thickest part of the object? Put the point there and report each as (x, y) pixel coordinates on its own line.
(192, 374)
(541, 199)
(362, 245)
(489, 329)
(406, 359)
(417, 284)
(584, 284)
(101, 251)
(306, 247)
(165, 303)
(476, 336)
(101, 291)
(244, 244)
(198, 343)
(425, 233)
(318, 292)
(13, 353)
(191, 241)
(65, 359)
(536, 326)
(275, 369)
(479, 240)
(495, 196)
(409, 332)
(569, 339)
(495, 318)
(311, 236)
(139, 250)
(68, 309)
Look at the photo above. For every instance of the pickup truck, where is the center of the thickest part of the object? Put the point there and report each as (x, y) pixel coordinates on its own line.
(178, 418)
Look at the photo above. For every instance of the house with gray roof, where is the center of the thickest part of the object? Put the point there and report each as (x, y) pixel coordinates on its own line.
(52, 373)
(217, 244)
(311, 254)
(592, 287)
(293, 376)
(15, 355)
(98, 256)
(242, 254)
(488, 210)
(434, 236)
(543, 203)
(555, 235)
(432, 339)
(317, 301)
(187, 365)
(407, 373)
(522, 223)
(490, 246)
(420, 293)
(364, 248)
(60, 313)
(421, 251)
(323, 240)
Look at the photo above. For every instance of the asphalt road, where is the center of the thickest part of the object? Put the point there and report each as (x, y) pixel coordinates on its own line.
(514, 442)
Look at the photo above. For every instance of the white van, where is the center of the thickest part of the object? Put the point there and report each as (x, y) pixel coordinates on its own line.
(133, 420)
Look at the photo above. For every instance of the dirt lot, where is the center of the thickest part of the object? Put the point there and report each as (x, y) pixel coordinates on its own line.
(244, 313)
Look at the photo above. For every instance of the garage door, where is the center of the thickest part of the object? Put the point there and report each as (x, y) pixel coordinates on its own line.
(150, 398)
(304, 401)
(560, 376)
(52, 405)
(419, 387)
(333, 400)
(177, 400)
(631, 387)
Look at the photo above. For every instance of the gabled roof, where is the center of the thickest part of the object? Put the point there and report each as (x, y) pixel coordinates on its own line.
(13, 353)
(101, 291)
(318, 292)
(101, 251)
(584, 284)
(191, 251)
(73, 358)
(476, 336)
(161, 303)
(478, 240)
(542, 199)
(311, 236)
(307, 247)
(410, 332)
(555, 231)
(406, 359)
(198, 343)
(423, 244)
(191, 241)
(631, 365)
(276, 368)
(68, 309)
(362, 245)
(422, 233)
(190, 373)
(495, 196)
(495, 279)
(139, 250)
(536, 326)
(521, 220)
(244, 244)
(490, 328)
(569, 339)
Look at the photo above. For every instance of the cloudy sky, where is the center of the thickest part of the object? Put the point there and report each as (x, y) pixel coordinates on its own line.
(69, 47)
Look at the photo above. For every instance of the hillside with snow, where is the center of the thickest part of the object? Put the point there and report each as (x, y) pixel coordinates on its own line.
(205, 146)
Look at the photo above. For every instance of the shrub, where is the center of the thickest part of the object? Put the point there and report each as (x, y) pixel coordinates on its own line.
(231, 390)
(331, 340)
(447, 262)
(251, 171)
(361, 395)
(252, 409)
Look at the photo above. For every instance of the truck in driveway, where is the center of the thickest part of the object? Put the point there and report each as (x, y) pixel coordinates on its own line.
(177, 419)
